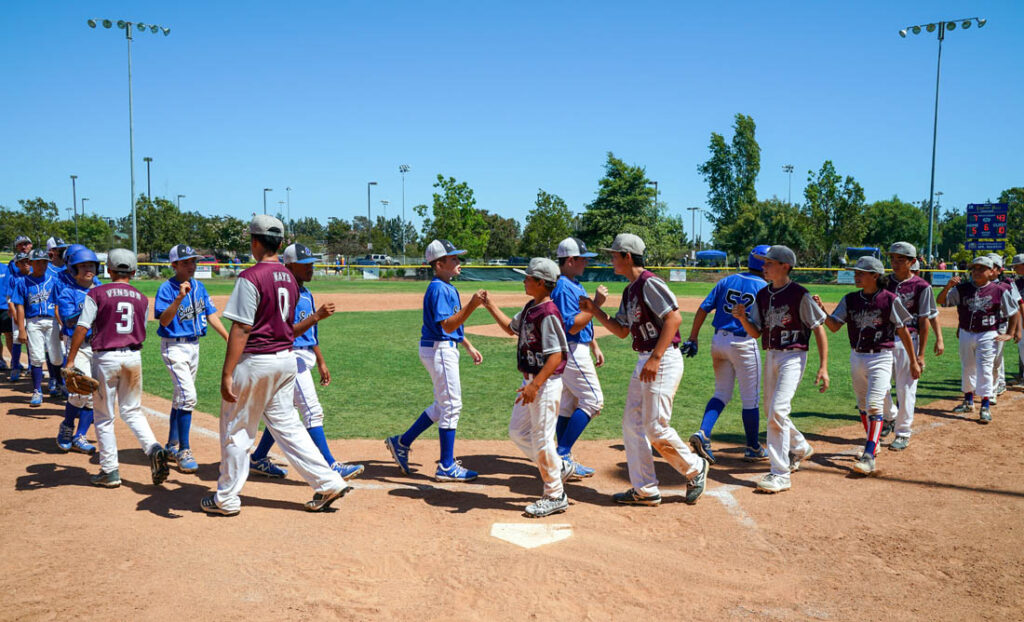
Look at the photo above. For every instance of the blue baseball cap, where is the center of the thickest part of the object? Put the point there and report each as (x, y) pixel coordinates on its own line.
(297, 253)
(181, 252)
(756, 259)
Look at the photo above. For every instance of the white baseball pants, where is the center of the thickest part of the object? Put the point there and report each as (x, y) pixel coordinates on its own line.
(305, 398)
(646, 422)
(442, 363)
(736, 358)
(977, 352)
(265, 386)
(871, 375)
(182, 361)
(783, 370)
(580, 387)
(532, 429)
(906, 388)
(998, 368)
(55, 347)
(82, 361)
(119, 373)
(38, 330)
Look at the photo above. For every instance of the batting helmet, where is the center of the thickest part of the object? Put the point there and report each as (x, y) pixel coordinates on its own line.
(754, 262)
(82, 255)
(70, 251)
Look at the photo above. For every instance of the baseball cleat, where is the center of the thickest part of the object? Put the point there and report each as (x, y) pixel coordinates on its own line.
(322, 501)
(399, 452)
(772, 483)
(580, 472)
(348, 471)
(172, 451)
(15, 374)
(186, 461)
(455, 473)
(900, 443)
(52, 388)
(37, 399)
(796, 458)
(751, 454)
(865, 465)
(64, 439)
(106, 480)
(992, 401)
(158, 464)
(1000, 389)
(266, 468)
(887, 428)
(209, 505)
(546, 506)
(695, 486)
(632, 497)
(82, 446)
(964, 407)
(702, 446)
(568, 469)
(985, 416)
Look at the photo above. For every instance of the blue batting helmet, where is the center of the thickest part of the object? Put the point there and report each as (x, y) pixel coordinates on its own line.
(82, 255)
(70, 251)
(756, 259)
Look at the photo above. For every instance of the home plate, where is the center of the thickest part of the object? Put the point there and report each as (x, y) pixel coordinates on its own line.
(531, 535)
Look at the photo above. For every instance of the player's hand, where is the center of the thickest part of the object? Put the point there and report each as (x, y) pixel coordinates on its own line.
(586, 304)
(325, 374)
(527, 393)
(601, 295)
(823, 379)
(22, 337)
(227, 392)
(598, 354)
(1016, 338)
(939, 348)
(739, 310)
(953, 282)
(915, 370)
(920, 362)
(184, 289)
(1005, 337)
(650, 370)
(817, 299)
(325, 311)
(689, 348)
(475, 355)
(479, 298)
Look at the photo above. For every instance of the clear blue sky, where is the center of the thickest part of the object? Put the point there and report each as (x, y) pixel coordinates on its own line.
(509, 97)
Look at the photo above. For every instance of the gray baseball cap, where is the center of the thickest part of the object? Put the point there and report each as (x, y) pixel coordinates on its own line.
(903, 248)
(983, 260)
(541, 268)
(627, 243)
(39, 254)
(122, 260)
(22, 239)
(781, 254)
(297, 253)
(573, 247)
(266, 225)
(56, 242)
(1017, 259)
(997, 259)
(869, 264)
(441, 248)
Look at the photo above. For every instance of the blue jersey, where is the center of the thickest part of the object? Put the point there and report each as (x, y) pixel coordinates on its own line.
(69, 306)
(304, 309)
(566, 296)
(33, 292)
(190, 321)
(440, 302)
(5, 286)
(733, 289)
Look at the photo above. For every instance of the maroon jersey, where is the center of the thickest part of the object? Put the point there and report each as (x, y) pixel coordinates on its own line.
(636, 311)
(786, 317)
(869, 319)
(540, 335)
(978, 308)
(120, 317)
(264, 297)
(910, 293)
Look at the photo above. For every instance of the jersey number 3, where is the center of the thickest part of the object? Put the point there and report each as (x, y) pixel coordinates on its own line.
(126, 318)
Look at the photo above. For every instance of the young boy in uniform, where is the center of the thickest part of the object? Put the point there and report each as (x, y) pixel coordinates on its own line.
(34, 307)
(17, 268)
(1018, 268)
(541, 358)
(649, 313)
(70, 300)
(443, 317)
(998, 365)
(55, 249)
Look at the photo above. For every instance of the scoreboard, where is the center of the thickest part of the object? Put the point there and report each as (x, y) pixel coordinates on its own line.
(986, 226)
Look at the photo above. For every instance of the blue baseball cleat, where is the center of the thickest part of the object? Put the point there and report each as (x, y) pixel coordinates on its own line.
(82, 446)
(64, 440)
(37, 399)
(52, 388)
(454, 473)
(15, 374)
(265, 467)
(399, 452)
(702, 446)
(751, 454)
(348, 471)
(186, 462)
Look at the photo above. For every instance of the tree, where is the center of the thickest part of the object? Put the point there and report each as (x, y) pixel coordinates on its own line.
(624, 204)
(342, 238)
(159, 225)
(504, 238)
(836, 208)
(766, 222)
(1014, 197)
(894, 220)
(307, 231)
(547, 224)
(731, 171)
(455, 217)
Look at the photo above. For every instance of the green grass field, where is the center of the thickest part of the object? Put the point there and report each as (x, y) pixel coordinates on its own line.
(379, 385)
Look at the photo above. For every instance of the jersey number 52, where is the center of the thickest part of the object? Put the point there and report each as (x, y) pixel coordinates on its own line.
(732, 297)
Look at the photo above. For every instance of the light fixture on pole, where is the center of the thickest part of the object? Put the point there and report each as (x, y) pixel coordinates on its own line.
(84, 199)
(941, 27)
(180, 197)
(265, 191)
(369, 223)
(403, 169)
(788, 169)
(74, 204)
(127, 28)
(288, 204)
(149, 196)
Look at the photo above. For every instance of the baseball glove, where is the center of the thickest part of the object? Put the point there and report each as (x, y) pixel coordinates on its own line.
(77, 382)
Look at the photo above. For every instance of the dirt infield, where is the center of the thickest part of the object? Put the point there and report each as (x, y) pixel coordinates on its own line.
(935, 535)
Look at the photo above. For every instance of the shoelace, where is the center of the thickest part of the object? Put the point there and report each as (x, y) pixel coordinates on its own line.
(185, 454)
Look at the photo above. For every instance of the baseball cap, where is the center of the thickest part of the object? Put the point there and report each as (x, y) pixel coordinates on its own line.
(779, 253)
(441, 248)
(869, 264)
(122, 260)
(997, 260)
(181, 252)
(266, 225)
(55, 242)
(39, 254)
(627, 243)
(756, 259)
(541, 268)
(20, 257)
(1017, 259)
(982, 261)
(903, 248)
(21, 239)
(297, 253)
(573, 247)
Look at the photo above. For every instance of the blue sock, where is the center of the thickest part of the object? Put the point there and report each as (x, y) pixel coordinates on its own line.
(184, 426)
(561, 425)
(751, 423)
(16, 355)
(969, 397)
(984, 402)
(85, 416)
(37, 377)
(711, 411)
(575, 426)
(317, 434)
(418, 427)
(70, 413)
(172, 427)
(266, 442)
(55, 373)
(447, 436)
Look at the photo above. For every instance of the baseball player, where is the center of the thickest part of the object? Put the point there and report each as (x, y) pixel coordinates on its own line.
(6, 326)
(55, 249)
(998, 366)
(1018, 267)
(32, 302)
(874, 316)
(979, 304)
(116, 312)
(784, 315)
(258, 378)
(582, 398)
(17, 268)
(734, 355)
(649, 313)
(184, 311)
(83, 264)
(442, 332)
(918, 299)
(299, 260)
(541, 355)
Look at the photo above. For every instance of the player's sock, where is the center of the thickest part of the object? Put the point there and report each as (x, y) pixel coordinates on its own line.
(418, 427)
(37, 377)
(751, 424)
(447, 436)
(984, 402)
(561, 425)
(55, 373)
(711, 412)
(874, 430)
(317, 434)
(266, 442)
(184, 426)
(576, 424)
(864, 421)
(70, 414)
(969, 397)
(172, 427)
(85, 417)
(16, 356)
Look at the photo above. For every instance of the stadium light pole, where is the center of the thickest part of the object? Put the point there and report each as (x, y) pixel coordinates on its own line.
(288, 206)
(149, 195)
(655, 184)
(403, 169)
(265, 191)
(941, 28)
(788, 169)
(74, 204)
(180, 197)
(693, 224)
(127, 28)
(369, 223)
(84, 199)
